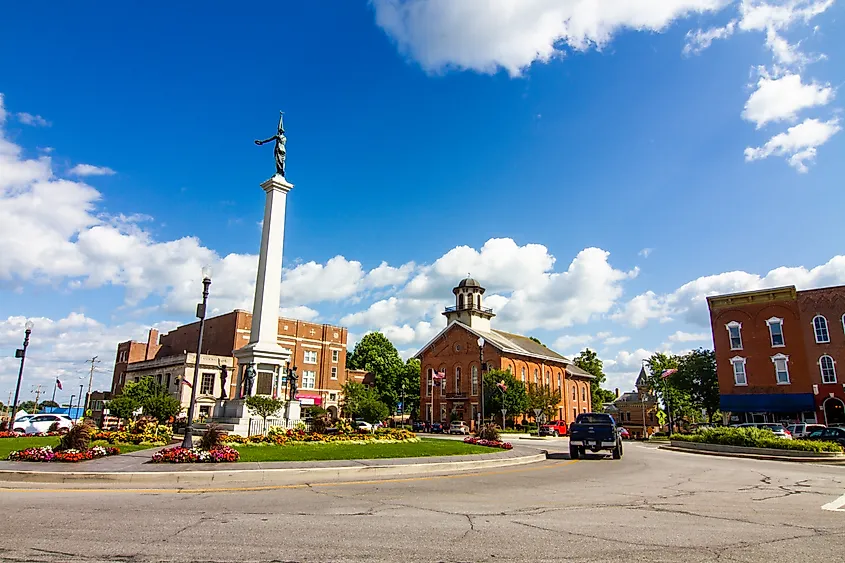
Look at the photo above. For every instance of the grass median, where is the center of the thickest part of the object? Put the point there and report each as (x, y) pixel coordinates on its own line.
(8, 445)
(316, 451)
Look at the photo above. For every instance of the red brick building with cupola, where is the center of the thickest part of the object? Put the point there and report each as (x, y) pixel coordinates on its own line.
(455, 351)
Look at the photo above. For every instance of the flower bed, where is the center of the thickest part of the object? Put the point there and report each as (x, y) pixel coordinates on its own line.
(489, 443)
(6, 434)
(220, 454)
(755, 438)
(46, 453)
(280, 437)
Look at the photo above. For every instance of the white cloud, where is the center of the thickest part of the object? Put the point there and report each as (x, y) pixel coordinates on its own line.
(645, 252)
(798, 143)
(781, 98)
(34, 120)
(485, 35)
(616, 340)
(699, 40)
(386, 275)
(681, 336)
(90, 170)
(688, 302)
(762, 15)
(60, 348)
(300, 312)
(570, 341)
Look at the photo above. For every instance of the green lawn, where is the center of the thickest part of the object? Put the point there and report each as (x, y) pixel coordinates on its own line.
(8, 445)
(339, 450)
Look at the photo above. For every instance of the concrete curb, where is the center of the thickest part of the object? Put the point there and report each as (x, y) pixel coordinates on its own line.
(263, 477)
(838, 460)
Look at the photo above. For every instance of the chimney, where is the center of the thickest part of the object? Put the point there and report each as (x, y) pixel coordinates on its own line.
(617, 392)
(152, 341)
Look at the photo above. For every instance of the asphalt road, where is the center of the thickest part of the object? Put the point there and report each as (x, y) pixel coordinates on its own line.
(652, 505)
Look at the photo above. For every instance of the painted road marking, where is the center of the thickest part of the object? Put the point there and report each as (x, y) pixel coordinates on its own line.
(836, 505)
(281, 487)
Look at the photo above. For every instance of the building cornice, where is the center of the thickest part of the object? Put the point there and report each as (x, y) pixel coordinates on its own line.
(774, 295)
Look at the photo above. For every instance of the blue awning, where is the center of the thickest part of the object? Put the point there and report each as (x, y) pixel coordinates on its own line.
(780, 402)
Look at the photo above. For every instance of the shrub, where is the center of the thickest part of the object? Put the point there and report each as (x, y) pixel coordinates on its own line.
(754, 438)
(213, 437)
(321, 423)
(77, 438)
(53, 427)
(488, 431)
(220, 454)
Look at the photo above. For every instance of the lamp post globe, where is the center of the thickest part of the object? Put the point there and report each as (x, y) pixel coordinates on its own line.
(188, 440)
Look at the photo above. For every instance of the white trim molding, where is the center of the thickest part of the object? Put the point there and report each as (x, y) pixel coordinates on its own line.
(822, 368)
(736, 360)
(785, 359)
(825, 327)
(779, 322)
(738, 327)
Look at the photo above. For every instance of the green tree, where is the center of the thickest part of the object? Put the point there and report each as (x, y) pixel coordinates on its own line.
(409, 379)
(49, 404)
(162, 406)
(264, 406)
(542, 397)
(537, 340)
(352, 395)
(674, 398)
(515, 398)
(589, 361)
(373, 410)
(378, 356)
(697, 377)
(123, 406)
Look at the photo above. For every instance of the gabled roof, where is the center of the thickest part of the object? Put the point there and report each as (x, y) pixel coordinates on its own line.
(642, 379)
(512, 344)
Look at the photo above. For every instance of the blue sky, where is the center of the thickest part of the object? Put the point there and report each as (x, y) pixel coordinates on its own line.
(600, 171)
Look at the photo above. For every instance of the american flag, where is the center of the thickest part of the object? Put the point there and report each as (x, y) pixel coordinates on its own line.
(186, 382)
(439, 375)
(668, 372)
(59, 383)
(501, 385)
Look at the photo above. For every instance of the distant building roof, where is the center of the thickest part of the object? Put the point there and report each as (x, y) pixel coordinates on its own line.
(468, 282)
(642, 379)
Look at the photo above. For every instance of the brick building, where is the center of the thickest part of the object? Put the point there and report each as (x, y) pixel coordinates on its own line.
(317, 350)
(777, 352)
(455, 351)
(636, 411)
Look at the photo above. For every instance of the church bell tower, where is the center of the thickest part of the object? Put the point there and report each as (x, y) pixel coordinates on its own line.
(468, 309)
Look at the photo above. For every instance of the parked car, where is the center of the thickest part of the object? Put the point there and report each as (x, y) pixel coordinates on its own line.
(624, 434)
(458, 427)
(802, 430)
(363, 425)
(418, 426)
(555, 428)
(436, 428)
(43, 422)
(777, 428)
(594, 431)
(21, 422)
(829, 435)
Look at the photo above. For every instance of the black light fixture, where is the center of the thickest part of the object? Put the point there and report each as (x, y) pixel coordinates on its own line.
(188, 440)
(20, 353)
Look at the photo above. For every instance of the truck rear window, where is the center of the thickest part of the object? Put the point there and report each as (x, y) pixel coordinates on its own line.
(594, 419)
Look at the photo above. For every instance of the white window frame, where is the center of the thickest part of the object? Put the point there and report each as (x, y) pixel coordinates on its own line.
(737, 360)
(779, 322)
(429, 382)
(816, 331)
(738, 327)
(334, 372)
(309, 376)
(523, 369)
(335, 356)
(309, 354)
(474, 381)
(785, 359)
(203, 386)
(458, 375)
(832, 366)
(843, 323)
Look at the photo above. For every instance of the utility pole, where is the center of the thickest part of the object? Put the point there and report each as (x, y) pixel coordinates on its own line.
(93, 361)
(37, 396)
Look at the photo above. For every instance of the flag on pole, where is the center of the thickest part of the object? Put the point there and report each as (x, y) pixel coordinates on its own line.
(501, 385)
(59, 383)
(668, 372)
(439, 375)
(186, 382)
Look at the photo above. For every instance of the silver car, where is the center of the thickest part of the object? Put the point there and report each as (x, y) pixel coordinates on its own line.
(775, 427)
(802, 429)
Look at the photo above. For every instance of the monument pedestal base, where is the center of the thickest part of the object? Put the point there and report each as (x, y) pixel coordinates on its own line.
(293, 411)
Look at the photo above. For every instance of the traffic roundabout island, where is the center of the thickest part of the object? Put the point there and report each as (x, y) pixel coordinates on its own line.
(135, 471)
(754, 453)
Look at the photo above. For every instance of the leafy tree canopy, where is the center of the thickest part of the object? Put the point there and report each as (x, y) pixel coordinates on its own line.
(148, 395)
(378, 356)
(515, 397)
(542, 397)
(589, 361)
(264, 406)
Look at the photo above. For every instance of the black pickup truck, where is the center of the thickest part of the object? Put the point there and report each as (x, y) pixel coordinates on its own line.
(594, 431)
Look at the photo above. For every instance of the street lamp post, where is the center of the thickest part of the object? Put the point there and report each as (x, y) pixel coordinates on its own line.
(79, 402)
(402, 407)
(20, 353)
(481, 375)
(70, 407)
(188, 440)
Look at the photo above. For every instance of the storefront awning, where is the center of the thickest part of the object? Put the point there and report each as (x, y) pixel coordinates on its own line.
(309, 400)
(781, 402)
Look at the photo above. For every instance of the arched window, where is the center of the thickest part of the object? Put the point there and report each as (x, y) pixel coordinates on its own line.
(828, 369)
(523, 374)
(820, 326)
(429, 381)
(583, 393)
(535, 376)
(474, 381)
(461, 301)
(478, 300)
(457, 380)
(574, 396)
